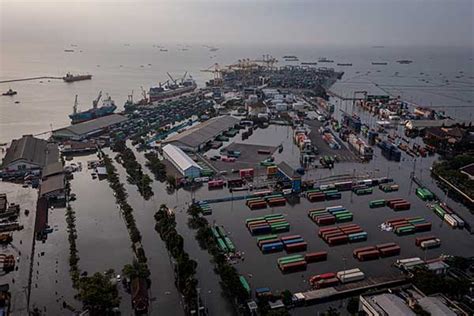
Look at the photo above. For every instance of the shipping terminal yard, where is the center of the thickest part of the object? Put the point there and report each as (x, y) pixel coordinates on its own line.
(263, 191)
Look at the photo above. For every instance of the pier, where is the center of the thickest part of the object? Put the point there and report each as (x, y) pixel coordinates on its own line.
(31, 78)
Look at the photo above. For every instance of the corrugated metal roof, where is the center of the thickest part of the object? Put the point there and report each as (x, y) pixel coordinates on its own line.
(52, 184)
(33, 150)
(435, 306)
(390, 304)
(53, 168)
(179, 157)
(204, 132)
(92, 125)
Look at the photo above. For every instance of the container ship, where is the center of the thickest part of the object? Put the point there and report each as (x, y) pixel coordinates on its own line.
(404, 61)
(108, 107)
(325, 60)
(379, 63)
(71, 78)
(344, 64)
(173, 89)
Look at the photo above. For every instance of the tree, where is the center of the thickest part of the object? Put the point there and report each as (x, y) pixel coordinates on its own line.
(136, 270)
(98, 293)
(353, 305)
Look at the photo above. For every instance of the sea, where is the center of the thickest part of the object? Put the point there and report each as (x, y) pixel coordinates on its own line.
(439, 77)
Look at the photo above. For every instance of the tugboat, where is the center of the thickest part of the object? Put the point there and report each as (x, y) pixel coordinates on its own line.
(108, 107)
(10, 92)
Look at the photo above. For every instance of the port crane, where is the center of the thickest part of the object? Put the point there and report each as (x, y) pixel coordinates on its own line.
(217, 71)
(267, 60)
(96, 101)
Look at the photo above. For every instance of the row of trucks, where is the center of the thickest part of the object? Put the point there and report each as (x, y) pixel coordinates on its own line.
(448, 215)
(332, 279)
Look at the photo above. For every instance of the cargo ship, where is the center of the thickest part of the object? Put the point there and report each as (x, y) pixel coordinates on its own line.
(108, 107)
(173, 89)
(379, 63)
(404, 61)
(325, 60)
(344, 64)
(71, 78)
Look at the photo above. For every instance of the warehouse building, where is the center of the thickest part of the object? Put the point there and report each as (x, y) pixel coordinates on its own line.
(197, 137)
(90, 128)
(29, 153)
(181, 161)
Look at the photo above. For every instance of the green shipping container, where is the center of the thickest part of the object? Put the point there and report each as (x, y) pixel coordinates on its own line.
(245, 284)
(288, 258)
(266, 237)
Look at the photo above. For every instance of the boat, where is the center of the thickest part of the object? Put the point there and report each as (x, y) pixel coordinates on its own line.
(108, 107)
(69, 50)
(404, 61)
(379, 63)
(10, 92)
(289, 57)
(71, 78)
(309, 63)
(173, 89)
(325, 60)
(214, 49)
(163, 50)
(344, 64)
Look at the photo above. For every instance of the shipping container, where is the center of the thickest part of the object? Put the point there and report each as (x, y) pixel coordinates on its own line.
(354, 277)
(418, 240)
(296, 247)
(377, 203)
(390, 251)
(316, 256)
(432, 243)
(368, 255)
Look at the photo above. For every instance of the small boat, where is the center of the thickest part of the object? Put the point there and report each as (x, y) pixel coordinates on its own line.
(10, 92)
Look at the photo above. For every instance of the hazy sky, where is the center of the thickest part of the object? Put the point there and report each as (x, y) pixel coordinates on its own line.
(337, 22)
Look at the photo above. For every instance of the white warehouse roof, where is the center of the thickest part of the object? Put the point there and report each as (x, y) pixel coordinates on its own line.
(180, 157)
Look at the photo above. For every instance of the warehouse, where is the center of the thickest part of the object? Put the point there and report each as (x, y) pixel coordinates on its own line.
(198, 136)
(90, 128)
(182, 162)
(29, 153)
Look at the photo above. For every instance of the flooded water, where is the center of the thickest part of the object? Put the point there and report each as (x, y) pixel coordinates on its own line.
(118, 70)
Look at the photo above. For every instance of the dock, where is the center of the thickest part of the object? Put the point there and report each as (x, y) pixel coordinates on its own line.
(31, 78)
(351, 289)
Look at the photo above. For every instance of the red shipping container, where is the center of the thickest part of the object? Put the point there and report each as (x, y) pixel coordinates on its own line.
(301, 246)
(386, 245)
(327, 220)
(293, 266)
(290, 237)
(338, 240)
(268, 241)
(390, 251)
(423, 227)
(333, 234)
(362, 249)
(419, 240)
(316, 256)
(402, 206)
(329, 229)
(368, 255)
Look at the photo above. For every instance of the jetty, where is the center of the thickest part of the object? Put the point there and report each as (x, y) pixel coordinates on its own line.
(31, 78)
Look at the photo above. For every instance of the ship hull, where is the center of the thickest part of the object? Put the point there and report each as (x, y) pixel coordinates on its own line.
(77, 78)
(91, 114)
(171, 93)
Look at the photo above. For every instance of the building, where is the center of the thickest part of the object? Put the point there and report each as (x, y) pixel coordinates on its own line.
(29, 153)
(53, 187)
(384, 304)
(468, 171)
(198, 136)
(181, 161)
(90, 128)
(52, 169)
(435, 306)
(41, 219)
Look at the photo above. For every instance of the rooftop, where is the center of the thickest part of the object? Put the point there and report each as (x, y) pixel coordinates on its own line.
(204, 132)
(389, 304)
(179, 157)
(33, 150)
(435, 306)
(92, 125)
(52, 184)
(52, 169)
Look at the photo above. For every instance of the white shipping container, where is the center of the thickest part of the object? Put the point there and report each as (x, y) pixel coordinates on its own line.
(358, 276)
(430, 243)
(450, 220)
(347, 272)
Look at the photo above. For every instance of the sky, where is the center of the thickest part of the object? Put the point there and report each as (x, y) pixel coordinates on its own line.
(316, 22)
